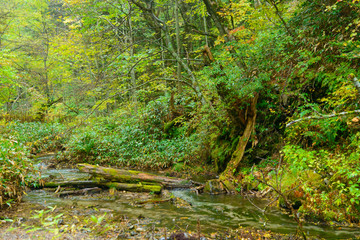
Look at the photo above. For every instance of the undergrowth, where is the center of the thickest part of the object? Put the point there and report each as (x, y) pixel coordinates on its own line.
(14, 169)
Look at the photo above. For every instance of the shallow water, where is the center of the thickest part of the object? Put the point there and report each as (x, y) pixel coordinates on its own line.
(215, 212)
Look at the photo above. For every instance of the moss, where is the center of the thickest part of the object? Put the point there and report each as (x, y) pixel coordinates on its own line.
(214, 187)
(169, 125)
(222, 151)
(139, 187)
(122, 177)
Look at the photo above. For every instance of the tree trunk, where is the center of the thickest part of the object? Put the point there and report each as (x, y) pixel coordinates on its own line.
(227, 176)
(133, 68)
(244, 139)
(178, 44)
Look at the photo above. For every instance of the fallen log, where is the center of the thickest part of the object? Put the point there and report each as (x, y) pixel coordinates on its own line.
(130, 176)
(75, 183)
(78, 192)
(133, 187)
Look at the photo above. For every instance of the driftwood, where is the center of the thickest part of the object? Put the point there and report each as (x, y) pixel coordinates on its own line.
(130, 176)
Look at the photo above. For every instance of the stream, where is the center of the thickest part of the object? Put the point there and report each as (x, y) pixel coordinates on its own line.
(215, 212)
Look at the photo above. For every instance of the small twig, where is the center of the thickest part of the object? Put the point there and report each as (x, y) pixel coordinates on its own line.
(198, 228)
(257, 207)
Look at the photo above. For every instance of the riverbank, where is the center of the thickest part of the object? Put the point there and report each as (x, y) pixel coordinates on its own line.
(34, 221)
(111, 214)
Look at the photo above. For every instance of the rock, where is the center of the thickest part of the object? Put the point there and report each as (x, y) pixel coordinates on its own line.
(61, 222)
(214, 187)
(139, 229)
(148, 206)
(181, 236)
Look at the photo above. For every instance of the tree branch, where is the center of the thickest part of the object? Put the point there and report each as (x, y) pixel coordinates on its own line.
(322, 117)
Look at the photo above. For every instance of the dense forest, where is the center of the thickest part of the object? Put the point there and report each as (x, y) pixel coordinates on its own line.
(262, 95)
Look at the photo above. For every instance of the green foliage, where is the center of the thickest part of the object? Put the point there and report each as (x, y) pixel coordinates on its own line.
(319, 133)
(133, 142)
(14, 169)
(112, 67)
(8, 84)
(38, 136)
(334, 193)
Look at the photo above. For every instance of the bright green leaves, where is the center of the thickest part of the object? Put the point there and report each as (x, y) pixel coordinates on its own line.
(13, 171)
(333, 196)
(8, 84)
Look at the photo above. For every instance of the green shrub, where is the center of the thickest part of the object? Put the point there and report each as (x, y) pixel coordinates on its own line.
(130, 144)
(39, 136)
(14, 169)
(134, 142)
(335, 193)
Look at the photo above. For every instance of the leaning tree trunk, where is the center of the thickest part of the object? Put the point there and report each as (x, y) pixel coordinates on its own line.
(238, 154)
(225, 183)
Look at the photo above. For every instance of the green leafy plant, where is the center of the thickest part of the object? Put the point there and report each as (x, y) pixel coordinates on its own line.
(15, 168)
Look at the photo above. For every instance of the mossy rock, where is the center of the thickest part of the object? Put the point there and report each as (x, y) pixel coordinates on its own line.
(214, 187)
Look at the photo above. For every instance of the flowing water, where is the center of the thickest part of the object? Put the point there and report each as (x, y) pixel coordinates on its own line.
(215, 212)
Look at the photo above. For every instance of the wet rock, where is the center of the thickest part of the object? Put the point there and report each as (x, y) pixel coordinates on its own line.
(105, 210)
(181, 236)
(214, 187)
(61, 222)
(166, 194)
(181, 203)
(139, 229)
(123, 236)
(148, 206)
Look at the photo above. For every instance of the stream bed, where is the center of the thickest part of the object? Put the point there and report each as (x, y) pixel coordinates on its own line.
(215, 212)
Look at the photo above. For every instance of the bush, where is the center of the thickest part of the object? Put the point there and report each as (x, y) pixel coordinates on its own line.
(135, 142)
(130, 144)
(330, 182)
(14, 169)
(39, 136)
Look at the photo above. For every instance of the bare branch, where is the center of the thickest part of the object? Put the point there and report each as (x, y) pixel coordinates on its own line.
(323, 117)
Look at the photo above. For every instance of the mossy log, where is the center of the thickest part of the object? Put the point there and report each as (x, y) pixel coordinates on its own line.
(130, 176)
(133, 187)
